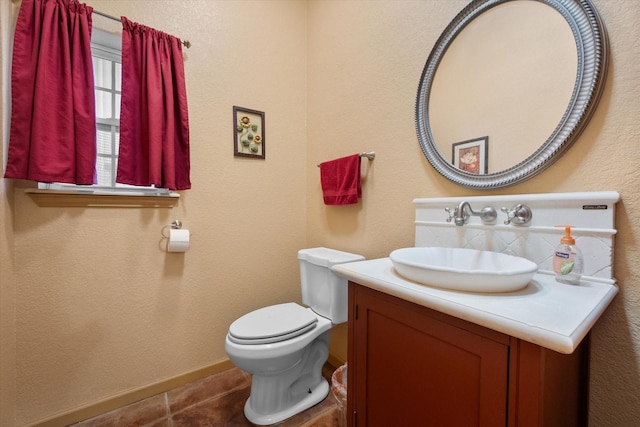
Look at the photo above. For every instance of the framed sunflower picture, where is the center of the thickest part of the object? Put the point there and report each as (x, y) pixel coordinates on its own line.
(248, 133)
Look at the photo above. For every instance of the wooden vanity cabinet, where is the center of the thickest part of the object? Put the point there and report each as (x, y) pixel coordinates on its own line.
(413, 366)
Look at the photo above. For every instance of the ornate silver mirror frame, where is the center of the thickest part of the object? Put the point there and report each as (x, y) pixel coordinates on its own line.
(592, 45)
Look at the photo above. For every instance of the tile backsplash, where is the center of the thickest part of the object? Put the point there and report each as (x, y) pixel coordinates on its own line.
(591, 215)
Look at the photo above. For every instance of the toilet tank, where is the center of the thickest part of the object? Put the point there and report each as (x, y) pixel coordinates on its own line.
(322, 290)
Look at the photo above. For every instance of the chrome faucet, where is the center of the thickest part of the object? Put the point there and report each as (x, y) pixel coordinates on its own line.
(463, 211)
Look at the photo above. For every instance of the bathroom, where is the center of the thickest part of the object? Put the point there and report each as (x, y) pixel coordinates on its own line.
(92, 308)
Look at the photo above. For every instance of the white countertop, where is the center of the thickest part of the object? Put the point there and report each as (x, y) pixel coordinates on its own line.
(547, 313)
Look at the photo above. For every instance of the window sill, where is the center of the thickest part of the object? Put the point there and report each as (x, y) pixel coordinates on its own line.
(55, 198)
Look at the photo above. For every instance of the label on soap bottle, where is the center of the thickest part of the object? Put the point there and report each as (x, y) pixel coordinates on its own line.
(563, 263)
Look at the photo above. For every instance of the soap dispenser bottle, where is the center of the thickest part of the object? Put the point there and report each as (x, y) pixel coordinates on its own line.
(567, 259)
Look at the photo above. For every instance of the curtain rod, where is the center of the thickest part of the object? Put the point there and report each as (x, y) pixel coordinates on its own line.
(186, 43)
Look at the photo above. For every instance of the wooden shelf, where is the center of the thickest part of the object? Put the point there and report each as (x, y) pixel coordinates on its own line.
(55, 198)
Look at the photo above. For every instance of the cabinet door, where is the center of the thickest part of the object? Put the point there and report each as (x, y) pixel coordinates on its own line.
(411, 366)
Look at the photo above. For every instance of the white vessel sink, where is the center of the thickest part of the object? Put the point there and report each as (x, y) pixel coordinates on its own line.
(463, 269)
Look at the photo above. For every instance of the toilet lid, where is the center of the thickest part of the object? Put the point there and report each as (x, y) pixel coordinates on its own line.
(272, 324)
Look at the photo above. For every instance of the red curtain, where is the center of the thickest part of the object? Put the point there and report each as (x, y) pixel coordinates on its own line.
(154, 125)
(53, 131)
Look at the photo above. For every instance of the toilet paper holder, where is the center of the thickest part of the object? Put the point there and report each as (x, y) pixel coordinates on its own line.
(175, 238)
(176, 225)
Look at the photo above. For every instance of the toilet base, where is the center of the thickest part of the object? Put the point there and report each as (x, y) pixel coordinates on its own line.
(317, 395)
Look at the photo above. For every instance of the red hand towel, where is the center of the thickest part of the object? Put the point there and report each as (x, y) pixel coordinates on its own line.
(340, 180)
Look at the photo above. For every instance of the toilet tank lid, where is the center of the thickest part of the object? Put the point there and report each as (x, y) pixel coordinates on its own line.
(327, 257)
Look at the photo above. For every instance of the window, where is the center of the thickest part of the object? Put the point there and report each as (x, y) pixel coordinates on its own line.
(106, 52)
(107, 74)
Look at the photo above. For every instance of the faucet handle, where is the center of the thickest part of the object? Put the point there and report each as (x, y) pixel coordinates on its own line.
(518, 214)
(451, 214)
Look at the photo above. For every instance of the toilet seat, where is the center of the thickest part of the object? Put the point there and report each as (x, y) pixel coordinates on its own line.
(272, 324)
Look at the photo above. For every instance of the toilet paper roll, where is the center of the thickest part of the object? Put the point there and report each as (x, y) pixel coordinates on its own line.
(178, 240)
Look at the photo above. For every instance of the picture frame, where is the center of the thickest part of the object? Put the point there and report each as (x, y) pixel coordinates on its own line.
(248, 133)
(472, 156)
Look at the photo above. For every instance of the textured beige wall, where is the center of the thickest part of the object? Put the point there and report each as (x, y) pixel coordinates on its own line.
(334, 77)
(100, 308)
(365, 61)
(7, 276)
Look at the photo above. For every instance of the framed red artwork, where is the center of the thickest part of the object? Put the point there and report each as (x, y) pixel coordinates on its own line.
(471, 156)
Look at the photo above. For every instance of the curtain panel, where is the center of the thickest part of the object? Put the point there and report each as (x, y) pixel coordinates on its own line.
(154, 125)
(53, 131)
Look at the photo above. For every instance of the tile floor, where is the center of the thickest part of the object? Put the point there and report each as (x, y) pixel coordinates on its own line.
(217, 400)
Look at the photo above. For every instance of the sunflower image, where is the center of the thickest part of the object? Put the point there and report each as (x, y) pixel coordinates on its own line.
(245, 122)
(249, 133)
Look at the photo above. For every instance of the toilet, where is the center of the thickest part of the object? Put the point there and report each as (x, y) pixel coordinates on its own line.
(284, 346)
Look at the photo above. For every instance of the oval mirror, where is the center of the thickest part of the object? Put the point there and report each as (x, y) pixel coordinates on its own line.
(508, 87)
